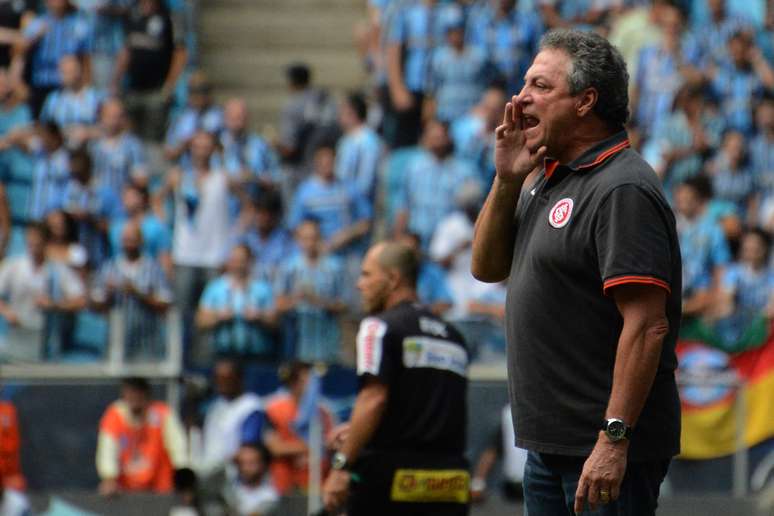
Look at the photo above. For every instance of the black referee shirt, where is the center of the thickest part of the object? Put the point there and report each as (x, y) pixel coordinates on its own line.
(580, 230)
(423, 361)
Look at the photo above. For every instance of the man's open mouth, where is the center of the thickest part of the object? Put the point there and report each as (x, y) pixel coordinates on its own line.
(529, 121)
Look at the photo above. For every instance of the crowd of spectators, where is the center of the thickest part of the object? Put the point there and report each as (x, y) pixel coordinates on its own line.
(127, 188)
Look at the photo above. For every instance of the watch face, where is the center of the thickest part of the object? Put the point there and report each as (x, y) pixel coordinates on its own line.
(339, 461)
(616, 429)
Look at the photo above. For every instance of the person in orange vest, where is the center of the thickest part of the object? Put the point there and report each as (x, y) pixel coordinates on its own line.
(141, 443)
(10, 443)
(290, 464)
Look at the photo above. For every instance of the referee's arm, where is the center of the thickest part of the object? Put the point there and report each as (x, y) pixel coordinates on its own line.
(366, 417)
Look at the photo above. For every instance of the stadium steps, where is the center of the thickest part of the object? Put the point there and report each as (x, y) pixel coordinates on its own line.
(245, 46)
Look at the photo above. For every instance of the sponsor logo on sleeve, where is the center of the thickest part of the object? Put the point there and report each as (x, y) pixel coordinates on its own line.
(370, 345)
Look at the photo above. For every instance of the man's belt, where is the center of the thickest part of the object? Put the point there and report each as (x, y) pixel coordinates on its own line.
(430, 485)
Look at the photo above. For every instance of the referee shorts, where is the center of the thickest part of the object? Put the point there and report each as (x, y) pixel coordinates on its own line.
(409, 484)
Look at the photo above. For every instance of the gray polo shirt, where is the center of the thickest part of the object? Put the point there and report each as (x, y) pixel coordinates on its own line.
(582, 229)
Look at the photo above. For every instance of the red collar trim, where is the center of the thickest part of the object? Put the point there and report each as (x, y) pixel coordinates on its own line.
(606, 154)
(551, 164)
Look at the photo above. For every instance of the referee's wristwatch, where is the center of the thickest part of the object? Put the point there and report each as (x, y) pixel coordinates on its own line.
(340, 462)
(616, 429)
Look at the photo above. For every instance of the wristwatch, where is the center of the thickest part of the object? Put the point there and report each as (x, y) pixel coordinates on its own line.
(616, 429)
(339, 461)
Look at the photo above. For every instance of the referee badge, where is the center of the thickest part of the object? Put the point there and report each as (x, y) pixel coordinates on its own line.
(559, 215)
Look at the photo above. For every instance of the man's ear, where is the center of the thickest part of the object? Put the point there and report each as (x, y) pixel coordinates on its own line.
(586, 101)
(394, 278)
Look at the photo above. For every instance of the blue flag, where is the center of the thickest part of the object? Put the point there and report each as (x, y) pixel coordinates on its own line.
(309, 406)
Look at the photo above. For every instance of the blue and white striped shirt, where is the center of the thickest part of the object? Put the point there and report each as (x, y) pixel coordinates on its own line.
(358, 155)
(509, 42)
(429, 191)
(239, 335)
(315, 332)
(117, 160)
(67, 107)
(16, 167)
(100, 205)
(732, 185)
(59, 37)
(143, 327)
(703, 248)
(415, 26)
(762, 161)
(107, 30)
(191, 120)
(269, 252)
(249, 152)
(474, 144)
(456, 80)
(738, 90)
(658, 79)
(336, 205)
(156, 237)
(432, 286)
(712, 38)
(50, 175)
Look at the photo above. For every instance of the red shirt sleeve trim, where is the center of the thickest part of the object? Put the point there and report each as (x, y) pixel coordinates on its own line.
(643, 280)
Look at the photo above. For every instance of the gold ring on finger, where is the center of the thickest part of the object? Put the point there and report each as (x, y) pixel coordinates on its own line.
(604, 496)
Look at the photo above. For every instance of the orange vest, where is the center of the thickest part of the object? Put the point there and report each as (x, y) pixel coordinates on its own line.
(289, 472)
(10, 469)
(144, 464)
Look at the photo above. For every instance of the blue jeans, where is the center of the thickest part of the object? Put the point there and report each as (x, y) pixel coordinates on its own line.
(550, 482)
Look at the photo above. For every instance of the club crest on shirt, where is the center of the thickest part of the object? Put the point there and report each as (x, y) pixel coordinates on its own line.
(560, 214)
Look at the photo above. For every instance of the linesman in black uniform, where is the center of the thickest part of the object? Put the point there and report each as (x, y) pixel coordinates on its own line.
(403, 453)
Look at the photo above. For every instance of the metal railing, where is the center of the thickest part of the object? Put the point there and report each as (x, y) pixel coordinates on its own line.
(113, 365)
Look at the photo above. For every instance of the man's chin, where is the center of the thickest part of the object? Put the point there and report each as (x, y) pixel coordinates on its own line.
(533, 144)
(372, 308)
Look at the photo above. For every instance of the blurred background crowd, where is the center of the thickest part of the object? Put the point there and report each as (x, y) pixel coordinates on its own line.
(136, 207)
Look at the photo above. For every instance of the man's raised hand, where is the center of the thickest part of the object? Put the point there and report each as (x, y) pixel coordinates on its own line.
(513, 159)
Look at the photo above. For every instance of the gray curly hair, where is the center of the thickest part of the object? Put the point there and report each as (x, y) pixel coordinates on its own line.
(595, 64)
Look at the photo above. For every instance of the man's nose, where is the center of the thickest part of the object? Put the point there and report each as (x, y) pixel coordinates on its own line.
(522, 98)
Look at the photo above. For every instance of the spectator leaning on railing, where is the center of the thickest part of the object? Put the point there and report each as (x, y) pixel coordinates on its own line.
(37, 299)
(310, 296)
(135, 284)
(238, 311)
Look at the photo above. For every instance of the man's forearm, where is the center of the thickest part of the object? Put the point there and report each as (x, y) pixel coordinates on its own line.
(635, 368)
(366, 417)
(179, 59)
(637, 359)
(394, 68)
(205, 319)
(73, 304)
(494, 237)
(348, 234)
(107, 457)
(122, 63)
